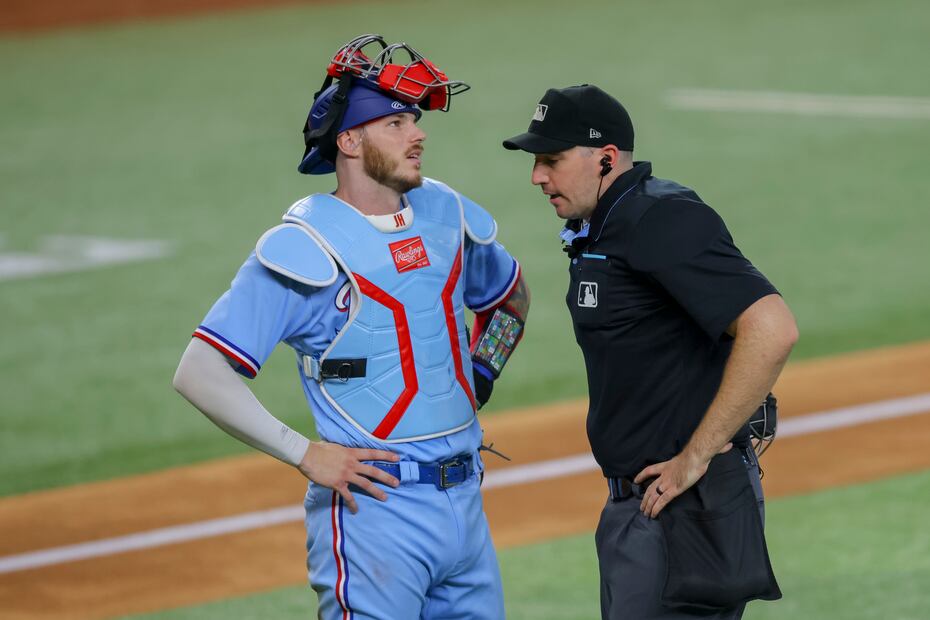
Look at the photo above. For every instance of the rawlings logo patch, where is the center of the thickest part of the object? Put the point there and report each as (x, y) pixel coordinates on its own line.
(409, 254)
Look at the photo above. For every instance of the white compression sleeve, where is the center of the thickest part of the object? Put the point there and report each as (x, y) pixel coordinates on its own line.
(206, 379)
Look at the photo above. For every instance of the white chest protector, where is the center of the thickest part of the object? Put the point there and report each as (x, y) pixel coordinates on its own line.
(400, 369)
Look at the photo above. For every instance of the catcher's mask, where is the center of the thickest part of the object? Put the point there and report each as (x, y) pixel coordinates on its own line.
(370, 85)
(763, 425)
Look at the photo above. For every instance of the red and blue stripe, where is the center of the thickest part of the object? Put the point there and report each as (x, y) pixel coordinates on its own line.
(501, 295)
(248, 366)
(339, 552)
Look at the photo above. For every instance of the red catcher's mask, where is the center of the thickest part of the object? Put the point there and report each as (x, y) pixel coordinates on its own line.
(416, 81)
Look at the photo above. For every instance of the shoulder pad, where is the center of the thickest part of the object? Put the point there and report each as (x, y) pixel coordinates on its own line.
(290, 249)
(431, 189)
(479, 224)
(300, 210)
(430, 184)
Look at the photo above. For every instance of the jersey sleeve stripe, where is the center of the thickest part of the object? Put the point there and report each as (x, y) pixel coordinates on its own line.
(247, 363)
(503, 294)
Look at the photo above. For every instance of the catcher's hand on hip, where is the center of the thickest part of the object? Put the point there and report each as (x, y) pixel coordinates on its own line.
(336, 467)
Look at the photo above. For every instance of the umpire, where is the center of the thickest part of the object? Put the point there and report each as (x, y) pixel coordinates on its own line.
(682, 339)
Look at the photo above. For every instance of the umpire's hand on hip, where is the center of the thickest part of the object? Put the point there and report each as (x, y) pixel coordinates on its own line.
(336, 467)
(672, 478)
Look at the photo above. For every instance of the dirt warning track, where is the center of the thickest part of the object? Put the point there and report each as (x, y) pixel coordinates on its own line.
(210, 565)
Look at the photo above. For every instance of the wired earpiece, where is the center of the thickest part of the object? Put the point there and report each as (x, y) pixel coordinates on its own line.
(606, 167)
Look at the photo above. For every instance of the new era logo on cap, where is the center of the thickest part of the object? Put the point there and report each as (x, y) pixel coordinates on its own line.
(575, 116)
(397, 105)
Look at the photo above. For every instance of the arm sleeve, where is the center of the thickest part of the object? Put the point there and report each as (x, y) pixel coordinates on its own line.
(260, 309)
(686, 248)
(490, 275)
(206, 380)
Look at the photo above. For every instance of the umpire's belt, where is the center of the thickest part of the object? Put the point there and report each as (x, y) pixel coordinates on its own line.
(624, 488)
(443, 475)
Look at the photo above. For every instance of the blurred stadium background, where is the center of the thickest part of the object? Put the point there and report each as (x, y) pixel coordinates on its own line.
(173, 141)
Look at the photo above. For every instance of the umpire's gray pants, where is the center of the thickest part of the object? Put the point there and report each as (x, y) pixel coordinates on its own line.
(631, 555)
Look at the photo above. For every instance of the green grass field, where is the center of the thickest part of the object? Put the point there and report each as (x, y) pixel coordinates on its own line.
(857, 553)
(186, 130)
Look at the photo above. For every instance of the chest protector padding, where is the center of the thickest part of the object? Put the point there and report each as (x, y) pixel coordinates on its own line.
(406, 319)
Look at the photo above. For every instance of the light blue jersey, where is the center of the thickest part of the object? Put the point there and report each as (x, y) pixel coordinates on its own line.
(263, 308)
(426, 552)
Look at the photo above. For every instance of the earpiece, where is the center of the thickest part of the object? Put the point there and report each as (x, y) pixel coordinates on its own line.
(606, 166)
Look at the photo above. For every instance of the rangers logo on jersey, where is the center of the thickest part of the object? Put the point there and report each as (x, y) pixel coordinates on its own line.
(344, 297)
(409, 254)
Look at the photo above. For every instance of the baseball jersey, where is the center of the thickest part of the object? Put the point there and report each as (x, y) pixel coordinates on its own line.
(262, 308)
(655, 281)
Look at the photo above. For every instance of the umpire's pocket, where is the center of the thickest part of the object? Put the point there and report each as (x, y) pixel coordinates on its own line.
(717, 556)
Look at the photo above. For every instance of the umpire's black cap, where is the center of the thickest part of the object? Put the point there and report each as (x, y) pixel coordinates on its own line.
(575, 116)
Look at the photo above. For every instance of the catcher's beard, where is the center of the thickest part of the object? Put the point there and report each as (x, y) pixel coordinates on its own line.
(383, 169)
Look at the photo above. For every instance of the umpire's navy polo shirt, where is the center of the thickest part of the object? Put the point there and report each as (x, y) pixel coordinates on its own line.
(654, 286)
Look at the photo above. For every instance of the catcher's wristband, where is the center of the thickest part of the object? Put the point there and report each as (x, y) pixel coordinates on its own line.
(498, 339)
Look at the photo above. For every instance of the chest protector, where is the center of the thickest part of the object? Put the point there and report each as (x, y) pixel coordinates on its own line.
(404, 343)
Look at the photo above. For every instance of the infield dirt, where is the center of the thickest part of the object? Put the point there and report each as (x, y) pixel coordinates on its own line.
(262, 559)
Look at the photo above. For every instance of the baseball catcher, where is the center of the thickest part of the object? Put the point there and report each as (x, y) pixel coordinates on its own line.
(368, 285)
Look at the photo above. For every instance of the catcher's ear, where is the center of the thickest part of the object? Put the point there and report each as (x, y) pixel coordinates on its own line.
(349, 142)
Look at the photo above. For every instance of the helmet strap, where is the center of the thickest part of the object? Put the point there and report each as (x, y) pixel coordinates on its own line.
(324, 136)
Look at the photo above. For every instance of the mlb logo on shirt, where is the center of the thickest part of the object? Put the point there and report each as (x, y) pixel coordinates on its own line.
(409, 254)
(587, 295)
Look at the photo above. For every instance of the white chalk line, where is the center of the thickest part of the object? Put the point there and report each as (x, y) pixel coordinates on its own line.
(510, 476)
(70, 253)
(807, 104)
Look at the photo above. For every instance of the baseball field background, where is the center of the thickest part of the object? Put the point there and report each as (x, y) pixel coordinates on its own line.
(142, 158)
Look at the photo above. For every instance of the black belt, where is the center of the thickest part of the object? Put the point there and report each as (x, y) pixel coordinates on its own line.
(443, 475)
(624, 488)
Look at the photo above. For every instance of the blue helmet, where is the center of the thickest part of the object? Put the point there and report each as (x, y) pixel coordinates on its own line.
(364, 102)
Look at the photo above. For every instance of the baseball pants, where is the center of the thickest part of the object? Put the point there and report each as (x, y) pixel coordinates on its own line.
(425, 553)
(631, 556)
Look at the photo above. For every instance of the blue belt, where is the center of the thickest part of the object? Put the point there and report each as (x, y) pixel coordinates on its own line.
(443, 475)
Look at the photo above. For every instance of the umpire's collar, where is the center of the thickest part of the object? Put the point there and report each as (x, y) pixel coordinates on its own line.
(610, 199)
